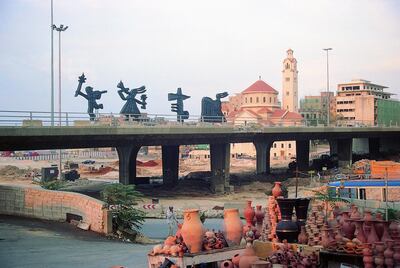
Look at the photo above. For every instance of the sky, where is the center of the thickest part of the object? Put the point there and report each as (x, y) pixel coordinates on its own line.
(204, 47)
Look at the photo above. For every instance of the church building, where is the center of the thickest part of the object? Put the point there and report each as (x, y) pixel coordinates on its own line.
(259, 104)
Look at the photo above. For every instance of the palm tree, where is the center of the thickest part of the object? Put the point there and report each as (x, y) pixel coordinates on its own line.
(324, 196)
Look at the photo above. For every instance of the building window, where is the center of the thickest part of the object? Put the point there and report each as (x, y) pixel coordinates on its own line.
(251, 100)
(362, 194)
(270, 99)
(287, 79)
(245, 100)
(282, 145)
(274, 145)
(264, 99)
(287, 93)
(290, 146)
(257, 99)
(287, 66)
(274, 154)
(383, 194)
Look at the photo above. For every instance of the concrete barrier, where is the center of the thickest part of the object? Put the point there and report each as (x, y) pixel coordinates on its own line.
(35, 202)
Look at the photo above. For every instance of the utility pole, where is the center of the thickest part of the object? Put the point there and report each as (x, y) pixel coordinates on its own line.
(327, 86)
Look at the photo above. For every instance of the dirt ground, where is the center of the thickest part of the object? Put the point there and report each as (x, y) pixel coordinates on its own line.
(193, 190)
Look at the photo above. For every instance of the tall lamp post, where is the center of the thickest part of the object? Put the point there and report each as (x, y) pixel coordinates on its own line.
(327, 86)
(52, 66)
(59, 29)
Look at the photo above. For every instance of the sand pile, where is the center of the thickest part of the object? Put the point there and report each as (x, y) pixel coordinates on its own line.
(13, 171)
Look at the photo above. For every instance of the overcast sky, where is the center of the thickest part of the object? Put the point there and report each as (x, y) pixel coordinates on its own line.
(204, 47)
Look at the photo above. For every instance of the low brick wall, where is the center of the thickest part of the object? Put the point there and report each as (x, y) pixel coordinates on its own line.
(35, 202)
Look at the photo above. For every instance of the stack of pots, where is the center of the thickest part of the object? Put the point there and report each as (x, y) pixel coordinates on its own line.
(286, 228)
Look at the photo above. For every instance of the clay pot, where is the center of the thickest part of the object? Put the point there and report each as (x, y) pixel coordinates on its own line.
(347, 227)
(379, 225)
(232, 226)
(367, 256)
(372, 236)
(355, 214)
(385, 236)
(259, 214)
(192, 230)
(277, 190)
(226, 264)
(249, 213)
(247, 257)
(301, 207)
(286, 228)
(360, 232)
(368, 215)
(393, 229)
(303, 237)
(235, 260)
(379, 258)
(388, 254)
(396, 255)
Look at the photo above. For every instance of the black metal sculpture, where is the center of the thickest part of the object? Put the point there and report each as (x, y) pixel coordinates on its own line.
(211, 109)
(130, 108)
(91, 96)
(178, 106)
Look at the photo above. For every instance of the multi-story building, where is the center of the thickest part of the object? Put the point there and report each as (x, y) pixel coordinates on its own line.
(259, 104)
(365, 103)
(314, 108)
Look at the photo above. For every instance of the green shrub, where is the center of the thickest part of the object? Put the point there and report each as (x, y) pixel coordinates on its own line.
(120, 200)
(53, 185)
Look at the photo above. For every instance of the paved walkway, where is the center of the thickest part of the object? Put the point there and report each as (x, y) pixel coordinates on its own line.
(36, 243)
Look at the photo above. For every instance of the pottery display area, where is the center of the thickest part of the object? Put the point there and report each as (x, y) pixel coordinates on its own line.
(287, 233)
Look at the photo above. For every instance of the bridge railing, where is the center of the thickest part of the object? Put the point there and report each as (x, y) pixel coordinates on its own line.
(79, 119)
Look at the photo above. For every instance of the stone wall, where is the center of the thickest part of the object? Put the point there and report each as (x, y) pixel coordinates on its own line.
(35, 202)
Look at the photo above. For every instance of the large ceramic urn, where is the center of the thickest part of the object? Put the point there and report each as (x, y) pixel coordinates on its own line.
(232, 226)
(286, 228)
(277, 190)
(192, 230)
(301, 207)
(249, 214)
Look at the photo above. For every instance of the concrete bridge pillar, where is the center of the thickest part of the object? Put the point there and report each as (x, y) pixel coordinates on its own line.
(170, 164)
(263, 157)
(333, 148)
(303, 154)
(127, 155)
(345, 152)
(374, 146)
(220, 164)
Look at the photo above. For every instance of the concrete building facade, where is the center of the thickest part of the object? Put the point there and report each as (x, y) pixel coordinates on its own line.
(361, 102)
(314, 108)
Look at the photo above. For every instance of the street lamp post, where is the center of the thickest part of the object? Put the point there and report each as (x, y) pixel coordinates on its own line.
(327, 86)
(52, 66)
(60, 29)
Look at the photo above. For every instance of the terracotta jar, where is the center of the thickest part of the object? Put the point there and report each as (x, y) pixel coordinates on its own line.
(388, 253)
(247, 257)
(367, 215)
(385, 236)
(277, 190)
(235, 260)
(192, 230)
(372, 236)
(260, 214)
(379, 257)
(226, 264)
(360, 232)
(347, 227)
(249, 213)
(367, 256)
(303, 237)
(355, 214)
(396, 255)
(379, 225)
(233, 226)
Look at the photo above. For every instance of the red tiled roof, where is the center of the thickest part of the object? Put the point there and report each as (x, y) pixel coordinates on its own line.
(292, 115)
(260, 86)
(278, 113)
(264, 110)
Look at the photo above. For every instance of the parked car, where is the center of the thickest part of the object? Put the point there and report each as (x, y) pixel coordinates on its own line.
(88, 162)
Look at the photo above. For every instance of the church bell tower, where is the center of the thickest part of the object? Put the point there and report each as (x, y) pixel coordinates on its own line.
(289, 83)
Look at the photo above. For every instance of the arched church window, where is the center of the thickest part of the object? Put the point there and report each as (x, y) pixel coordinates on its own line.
(251, 100)
(245, 100)
(257, 100)
(270, 99)
(264, 99)
(287, 66)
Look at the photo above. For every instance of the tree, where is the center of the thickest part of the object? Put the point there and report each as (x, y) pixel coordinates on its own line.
(328, 199)
(121, 200)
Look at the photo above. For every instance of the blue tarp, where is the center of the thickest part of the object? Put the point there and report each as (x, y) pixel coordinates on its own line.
(365, 183)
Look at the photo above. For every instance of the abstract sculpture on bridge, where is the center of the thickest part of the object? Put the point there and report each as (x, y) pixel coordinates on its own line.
(178, 106)
(130, 108)
(91, 96)
(211, 109)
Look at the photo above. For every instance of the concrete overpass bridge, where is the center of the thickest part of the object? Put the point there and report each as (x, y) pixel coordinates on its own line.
(128, 140)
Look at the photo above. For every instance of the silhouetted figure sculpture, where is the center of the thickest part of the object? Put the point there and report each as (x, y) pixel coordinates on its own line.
(178, 106)
(211, 109)
(91, 96)
(130, 108)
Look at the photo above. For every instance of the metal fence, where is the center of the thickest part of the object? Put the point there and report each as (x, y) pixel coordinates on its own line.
(44, 119)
